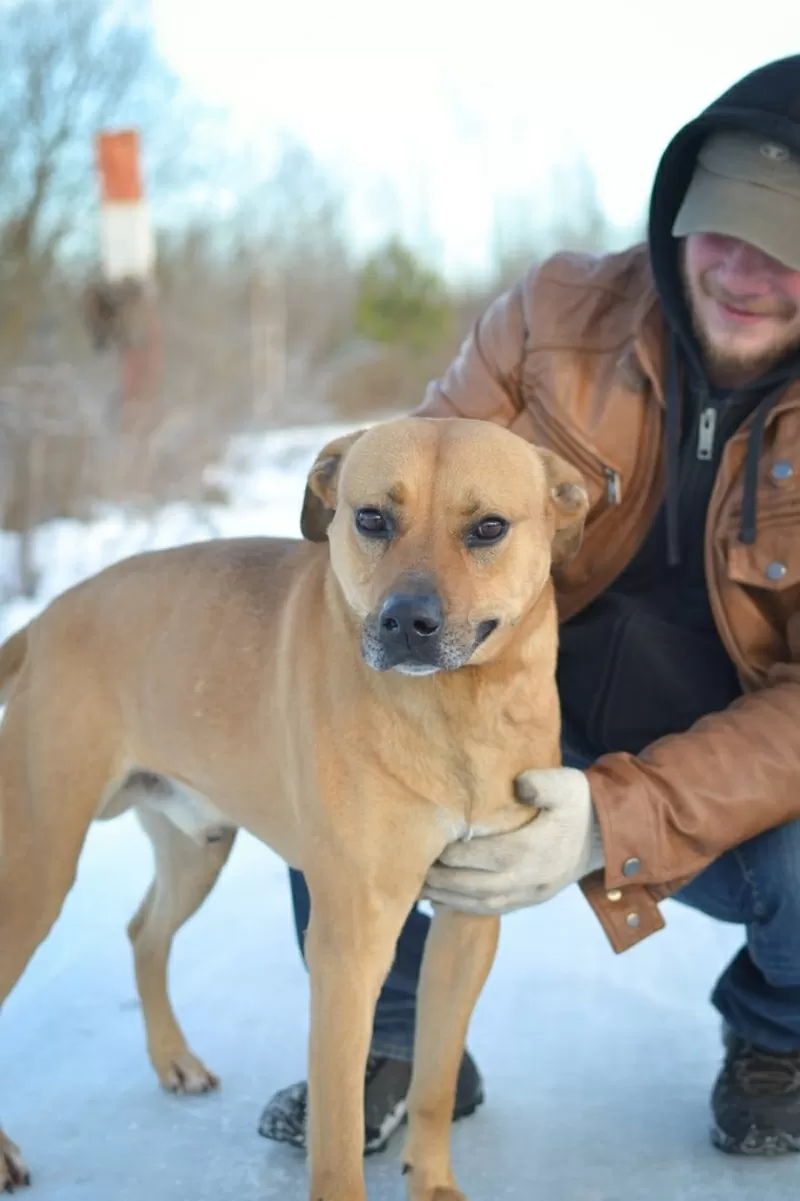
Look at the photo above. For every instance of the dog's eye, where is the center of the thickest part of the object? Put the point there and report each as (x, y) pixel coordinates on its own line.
(373, 523)
(487, 531)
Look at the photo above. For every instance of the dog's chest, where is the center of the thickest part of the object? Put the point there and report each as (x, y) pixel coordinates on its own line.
(476, 773)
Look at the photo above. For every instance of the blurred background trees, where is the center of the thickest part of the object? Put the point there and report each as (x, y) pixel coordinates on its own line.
(267, 315)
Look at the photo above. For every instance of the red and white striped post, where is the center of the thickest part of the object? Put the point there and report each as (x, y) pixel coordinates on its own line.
(128, 266)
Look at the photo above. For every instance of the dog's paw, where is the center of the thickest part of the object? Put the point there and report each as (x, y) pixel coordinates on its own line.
(14, 1172)
(184, 1073)
(420, 1189)
(436, 1194)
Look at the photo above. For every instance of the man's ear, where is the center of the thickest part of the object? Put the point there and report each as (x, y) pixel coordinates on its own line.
(319, 501)
(569, 504)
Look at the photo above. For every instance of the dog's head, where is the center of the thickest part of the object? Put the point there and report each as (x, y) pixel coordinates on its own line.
(442, 534)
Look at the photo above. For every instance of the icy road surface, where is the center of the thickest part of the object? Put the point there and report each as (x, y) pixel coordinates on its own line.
(597, 1067)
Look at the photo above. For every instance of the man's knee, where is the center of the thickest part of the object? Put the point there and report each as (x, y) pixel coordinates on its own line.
(770, 863)
(752, 883)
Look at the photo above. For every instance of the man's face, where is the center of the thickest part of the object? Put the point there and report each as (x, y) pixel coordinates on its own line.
(745, 305)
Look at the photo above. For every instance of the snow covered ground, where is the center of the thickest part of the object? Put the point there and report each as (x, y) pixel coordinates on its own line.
(597, 1067)
(265, 478)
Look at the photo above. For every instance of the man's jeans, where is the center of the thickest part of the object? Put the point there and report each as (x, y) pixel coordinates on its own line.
(757, 885)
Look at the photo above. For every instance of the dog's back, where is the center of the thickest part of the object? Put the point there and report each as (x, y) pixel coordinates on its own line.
(12, 657)
(180, 650)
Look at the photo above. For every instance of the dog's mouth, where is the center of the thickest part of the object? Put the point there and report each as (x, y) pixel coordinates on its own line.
(484, 631)
(416, 669)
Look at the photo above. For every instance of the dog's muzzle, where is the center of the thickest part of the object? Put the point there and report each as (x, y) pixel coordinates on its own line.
(409, 631)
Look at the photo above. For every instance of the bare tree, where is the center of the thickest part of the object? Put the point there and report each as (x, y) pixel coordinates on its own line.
(67, 69)
(292, 226)
(567, 215)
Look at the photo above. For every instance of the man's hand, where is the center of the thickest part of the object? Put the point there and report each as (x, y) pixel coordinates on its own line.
(501, 872)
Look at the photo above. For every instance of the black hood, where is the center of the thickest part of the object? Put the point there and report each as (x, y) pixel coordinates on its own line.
(765, 102)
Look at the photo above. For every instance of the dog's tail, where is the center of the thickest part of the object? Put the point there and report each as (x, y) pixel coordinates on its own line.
(12, 656)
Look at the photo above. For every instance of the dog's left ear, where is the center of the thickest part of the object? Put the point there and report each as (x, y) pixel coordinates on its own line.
(319, 501)
(569, 502)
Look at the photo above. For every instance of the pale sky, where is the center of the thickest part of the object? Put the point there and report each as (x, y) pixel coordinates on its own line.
(437, 114)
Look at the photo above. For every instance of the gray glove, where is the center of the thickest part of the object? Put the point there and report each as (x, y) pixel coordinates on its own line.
(498, 873)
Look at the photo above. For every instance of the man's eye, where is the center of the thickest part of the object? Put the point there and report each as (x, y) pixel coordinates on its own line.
(487, 531)
(373, 523)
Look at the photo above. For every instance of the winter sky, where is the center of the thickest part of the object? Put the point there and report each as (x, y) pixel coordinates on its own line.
(440, 115)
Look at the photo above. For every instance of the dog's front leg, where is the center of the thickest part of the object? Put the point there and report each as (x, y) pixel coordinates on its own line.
(350, 945)
(459, 953)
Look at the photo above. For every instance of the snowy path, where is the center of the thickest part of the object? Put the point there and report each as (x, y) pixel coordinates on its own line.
(597, 1067)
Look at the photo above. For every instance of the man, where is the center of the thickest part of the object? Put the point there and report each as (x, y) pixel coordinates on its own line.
(670, 374)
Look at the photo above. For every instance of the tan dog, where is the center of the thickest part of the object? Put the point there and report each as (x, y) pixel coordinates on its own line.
(356, 705)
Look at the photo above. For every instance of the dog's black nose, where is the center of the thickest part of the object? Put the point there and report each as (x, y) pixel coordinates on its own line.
(409, 619)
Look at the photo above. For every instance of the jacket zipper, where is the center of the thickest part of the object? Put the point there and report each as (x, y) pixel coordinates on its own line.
(645, 466)
(706, 434)
(575, 452)
(613, 486)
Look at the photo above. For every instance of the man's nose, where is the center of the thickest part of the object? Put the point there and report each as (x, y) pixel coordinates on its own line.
(745, 268)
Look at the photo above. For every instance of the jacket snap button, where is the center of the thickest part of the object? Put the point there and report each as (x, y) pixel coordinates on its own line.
(782, 471)
(774, 571)
(615, 894)
(631, 866)
(633, 920)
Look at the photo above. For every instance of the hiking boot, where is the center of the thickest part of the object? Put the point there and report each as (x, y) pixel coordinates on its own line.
(756, 1100)
(386, 1085)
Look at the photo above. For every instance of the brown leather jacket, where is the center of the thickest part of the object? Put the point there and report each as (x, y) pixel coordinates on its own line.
(572, 358)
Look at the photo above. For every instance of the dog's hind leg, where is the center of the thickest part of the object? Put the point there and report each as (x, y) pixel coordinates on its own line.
(185, 873)
(52, 779)
(459, 953)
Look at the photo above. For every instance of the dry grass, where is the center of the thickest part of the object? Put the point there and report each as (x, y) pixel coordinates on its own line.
(237, 352)
(241, 348)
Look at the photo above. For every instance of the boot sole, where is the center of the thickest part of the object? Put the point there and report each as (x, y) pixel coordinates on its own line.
(290, 1136)
(767, 1144)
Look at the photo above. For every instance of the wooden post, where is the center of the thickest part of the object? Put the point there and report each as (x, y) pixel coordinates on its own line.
(128, 267)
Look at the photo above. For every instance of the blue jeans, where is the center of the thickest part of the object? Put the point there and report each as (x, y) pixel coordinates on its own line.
(757, 886)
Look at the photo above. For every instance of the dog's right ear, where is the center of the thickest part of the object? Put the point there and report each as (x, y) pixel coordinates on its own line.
(569, 504)
(319, 501)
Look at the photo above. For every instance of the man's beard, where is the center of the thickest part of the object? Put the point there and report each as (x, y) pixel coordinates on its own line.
(729, 362)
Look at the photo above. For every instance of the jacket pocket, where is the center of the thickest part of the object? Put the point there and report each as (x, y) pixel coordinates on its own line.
(772, 562)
